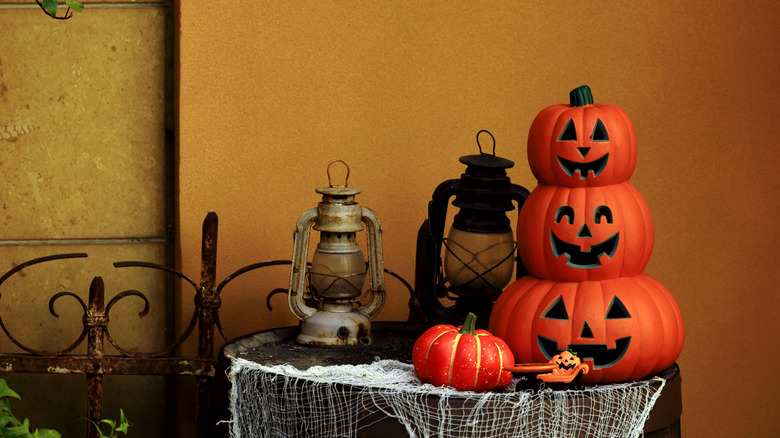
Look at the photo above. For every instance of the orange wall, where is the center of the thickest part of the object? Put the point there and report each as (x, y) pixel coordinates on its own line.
(270, 92)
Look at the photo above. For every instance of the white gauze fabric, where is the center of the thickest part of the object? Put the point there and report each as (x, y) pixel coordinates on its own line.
(282, 401)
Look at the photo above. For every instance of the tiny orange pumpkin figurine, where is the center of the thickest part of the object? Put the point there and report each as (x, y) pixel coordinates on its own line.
(462, 357)
(564, 367)
(568, 367)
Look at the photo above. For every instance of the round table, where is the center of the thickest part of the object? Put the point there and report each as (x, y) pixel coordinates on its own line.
(392, 340)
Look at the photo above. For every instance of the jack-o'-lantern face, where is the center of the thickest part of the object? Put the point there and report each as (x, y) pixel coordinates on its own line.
(582, 144)
(582, 339)
(585, 251)
(587, 157)
(566, 361)
(579, 234)
(622, 329)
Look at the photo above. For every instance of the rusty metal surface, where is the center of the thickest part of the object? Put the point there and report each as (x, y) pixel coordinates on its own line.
(95, 332)
(113, 365)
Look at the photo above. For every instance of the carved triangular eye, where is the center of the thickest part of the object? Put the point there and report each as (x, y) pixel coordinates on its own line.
(557, 310)
(617, 310)
(569, 132)
(599, 132)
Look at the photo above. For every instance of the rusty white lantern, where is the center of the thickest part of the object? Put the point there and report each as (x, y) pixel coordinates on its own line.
(328, 296)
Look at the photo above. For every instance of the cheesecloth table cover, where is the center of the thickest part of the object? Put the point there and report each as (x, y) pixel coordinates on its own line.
(281, 401)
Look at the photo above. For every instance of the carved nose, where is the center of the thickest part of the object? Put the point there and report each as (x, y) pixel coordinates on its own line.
(584, 231)
(586, 331)
(583, 151)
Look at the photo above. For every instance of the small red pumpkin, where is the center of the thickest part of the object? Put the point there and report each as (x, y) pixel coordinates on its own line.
(582, 144)
(462, 358)
(624, 329)
(588, 233)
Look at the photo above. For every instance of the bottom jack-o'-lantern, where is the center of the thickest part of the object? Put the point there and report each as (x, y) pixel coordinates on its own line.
(624, 329)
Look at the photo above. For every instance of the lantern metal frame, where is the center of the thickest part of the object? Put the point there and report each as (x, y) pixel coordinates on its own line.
(336, 321)
(484, 194)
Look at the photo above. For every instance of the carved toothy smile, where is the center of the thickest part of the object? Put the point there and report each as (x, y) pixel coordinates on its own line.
(594, 167)
(601, 356)
(578, 258)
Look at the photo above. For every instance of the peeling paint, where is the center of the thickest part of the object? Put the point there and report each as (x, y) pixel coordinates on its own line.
(11, 133)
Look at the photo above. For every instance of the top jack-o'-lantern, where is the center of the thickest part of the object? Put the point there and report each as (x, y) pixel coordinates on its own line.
(582, 144)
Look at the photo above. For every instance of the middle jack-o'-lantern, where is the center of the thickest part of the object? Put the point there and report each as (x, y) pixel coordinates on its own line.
(582, 144)
(624, 328)
(580, 234)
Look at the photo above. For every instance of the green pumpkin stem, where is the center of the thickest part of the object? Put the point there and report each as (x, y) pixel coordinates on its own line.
(468, 325)
(581, 96)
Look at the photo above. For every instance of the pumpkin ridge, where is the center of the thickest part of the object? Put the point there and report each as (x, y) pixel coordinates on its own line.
(428, 351)
(570, 195)
(653, 357)
(617, 115)
(479, 363)
(500, 362)
(670, 315)
(602, 196)
(648, 230)
(452, 357)
(537, 163)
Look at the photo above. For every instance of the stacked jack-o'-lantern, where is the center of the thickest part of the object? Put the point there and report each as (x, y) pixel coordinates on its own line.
(585, 236)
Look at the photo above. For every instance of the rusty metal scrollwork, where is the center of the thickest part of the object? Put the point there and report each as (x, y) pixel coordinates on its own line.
(95, 322)
(53, 299)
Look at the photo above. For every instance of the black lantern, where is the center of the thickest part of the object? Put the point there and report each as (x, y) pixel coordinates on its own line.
(479, 250)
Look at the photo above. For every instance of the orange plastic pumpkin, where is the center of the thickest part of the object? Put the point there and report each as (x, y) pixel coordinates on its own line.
(582, 144)
(624, 329)
(579, 234)
(569, 368)
(462, 358)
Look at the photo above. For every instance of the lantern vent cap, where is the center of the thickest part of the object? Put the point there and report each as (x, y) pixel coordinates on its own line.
(338, 191)
(485, 160)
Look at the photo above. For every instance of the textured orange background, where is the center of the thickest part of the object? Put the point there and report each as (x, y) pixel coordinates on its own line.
(270, 92)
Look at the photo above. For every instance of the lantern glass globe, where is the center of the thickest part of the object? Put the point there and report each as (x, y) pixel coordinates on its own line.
(490, 255)
(338, 275)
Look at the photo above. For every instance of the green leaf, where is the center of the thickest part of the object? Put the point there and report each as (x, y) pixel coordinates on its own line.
(100, 431)
(46, 433)
(17, 431)
(4, 420)
(5, 406)
(9, 421)
(50, 6)
(124, 424)
(5, 391)
(76, 6)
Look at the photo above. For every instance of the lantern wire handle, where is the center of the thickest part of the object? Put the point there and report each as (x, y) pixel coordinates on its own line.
(346, 178)
(491, 136)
